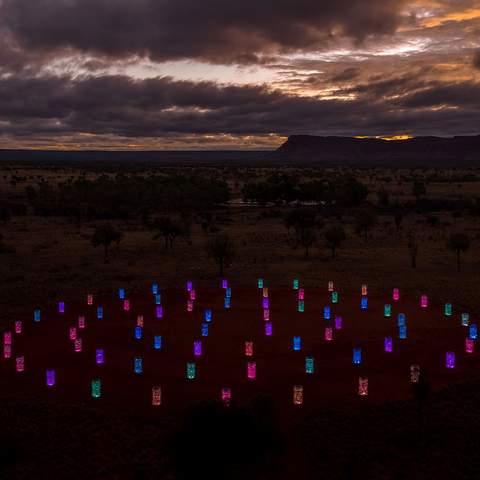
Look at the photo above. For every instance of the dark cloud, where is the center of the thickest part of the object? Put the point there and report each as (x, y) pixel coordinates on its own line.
(57, 59)
(162, 107)
(346, 75)
(476, 59)
(212, 30)
(458, 94)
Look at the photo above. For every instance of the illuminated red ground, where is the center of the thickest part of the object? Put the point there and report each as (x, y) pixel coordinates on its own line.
(223, 364)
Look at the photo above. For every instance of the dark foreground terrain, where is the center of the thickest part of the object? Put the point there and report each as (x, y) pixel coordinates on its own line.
(86, 227)
(400, 430)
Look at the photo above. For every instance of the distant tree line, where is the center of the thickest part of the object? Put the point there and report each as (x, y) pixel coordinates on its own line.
(125, 196)
(282, 189)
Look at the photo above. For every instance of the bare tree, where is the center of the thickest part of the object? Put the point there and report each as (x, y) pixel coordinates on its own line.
(169, 229)
(366, 220)
(307, 237)
(458, 243)
(334, 236)
(222, 250)
(105, 235)
(413, 250)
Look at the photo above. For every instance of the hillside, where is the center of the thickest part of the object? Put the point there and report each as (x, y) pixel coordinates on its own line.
(348, 150)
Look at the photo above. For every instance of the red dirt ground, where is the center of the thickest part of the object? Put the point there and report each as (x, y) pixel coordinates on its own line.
(223, 364)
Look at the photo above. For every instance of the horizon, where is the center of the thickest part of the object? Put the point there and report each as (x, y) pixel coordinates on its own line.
(394, 139)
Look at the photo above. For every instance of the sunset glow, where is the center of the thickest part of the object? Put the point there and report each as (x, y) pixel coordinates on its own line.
(219, 81)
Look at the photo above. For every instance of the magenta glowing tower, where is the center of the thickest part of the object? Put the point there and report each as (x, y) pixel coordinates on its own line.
(251, 370)
(226, 396)
(72, 333)
(249, 349)
(328, 334)
(396, 294)
(469, 345)
(424, 301)
(78, 345)
(20, 364)
(7, 351)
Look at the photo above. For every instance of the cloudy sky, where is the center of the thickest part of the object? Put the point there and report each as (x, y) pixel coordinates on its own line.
(227, 74)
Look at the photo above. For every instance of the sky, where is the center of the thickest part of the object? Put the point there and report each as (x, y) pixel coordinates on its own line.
(227, 74)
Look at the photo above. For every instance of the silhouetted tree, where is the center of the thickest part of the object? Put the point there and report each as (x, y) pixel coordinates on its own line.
(237, 443)
(413, 249)
(208, 222)
(383, 197)
(304, 221)
(4, 248)
(334, 236)
(222, 250)
(458, 243)
(398, 218)
(419, 189)
(366, 220)
(105, 235)
(306, 237)
(4, 214)
(169, 229)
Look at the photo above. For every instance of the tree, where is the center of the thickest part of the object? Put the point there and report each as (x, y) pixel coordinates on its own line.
(105, 235)
(304, 221)
(413, 249)
(222, 250)
(419, 189)
(208, 222)
(398, 218)
(366, 220)
(383, 197)
(306, 238)
(4, 214)
(334, 235)
(458, 242)
(169, 229)
(4, 248)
